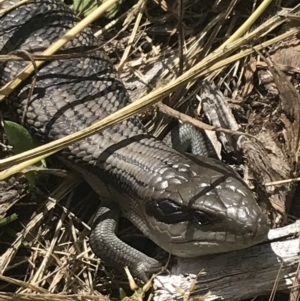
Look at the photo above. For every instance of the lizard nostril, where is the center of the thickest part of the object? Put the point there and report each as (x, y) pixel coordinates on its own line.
(249, 230)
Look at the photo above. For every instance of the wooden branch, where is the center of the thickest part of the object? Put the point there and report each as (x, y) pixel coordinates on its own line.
(236, 275)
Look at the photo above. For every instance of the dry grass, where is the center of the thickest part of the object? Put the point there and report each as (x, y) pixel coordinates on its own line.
(47, 256)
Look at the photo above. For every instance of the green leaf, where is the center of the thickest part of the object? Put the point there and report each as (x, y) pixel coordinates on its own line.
(7, 220)
(113, 10)
(18, 137)
(21, 140)
(86, 7)
(122, 293)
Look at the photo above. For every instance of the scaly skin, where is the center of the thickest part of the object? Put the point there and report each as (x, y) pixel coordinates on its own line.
(189, 206)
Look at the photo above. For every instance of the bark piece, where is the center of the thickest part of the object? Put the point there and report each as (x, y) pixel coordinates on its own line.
(237, 275)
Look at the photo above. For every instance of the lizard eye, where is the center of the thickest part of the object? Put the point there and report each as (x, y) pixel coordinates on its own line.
(201, 218)
(167, 211)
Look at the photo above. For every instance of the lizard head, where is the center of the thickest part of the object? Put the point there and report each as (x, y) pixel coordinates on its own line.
(201, 206)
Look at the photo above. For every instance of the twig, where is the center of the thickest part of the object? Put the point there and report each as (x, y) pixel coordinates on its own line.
(186, 118)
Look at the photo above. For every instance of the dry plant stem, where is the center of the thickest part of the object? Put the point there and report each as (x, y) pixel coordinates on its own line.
(63, 268)
(141, 7)
(276, 284)
(3, 11)
(196, 42)
(23, 284)
(27, 71)
(69, 261)
(216, 30)
(103, 30)
(186, 118)
(19, 56)
(295, 290)
(180, 5)
(245, 26)
(21, 166)
(41, 270)
(249, 22)
(200, 69)
(58, 194)
(262, 30)
(51, 297)
(287, 181)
